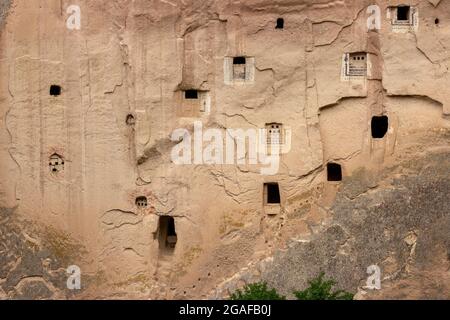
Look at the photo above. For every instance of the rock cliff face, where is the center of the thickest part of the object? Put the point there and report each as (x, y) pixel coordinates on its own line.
(123, 147)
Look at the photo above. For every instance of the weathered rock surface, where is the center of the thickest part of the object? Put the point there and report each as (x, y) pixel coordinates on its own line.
(33, 260)
(92, 163)
(401, 227)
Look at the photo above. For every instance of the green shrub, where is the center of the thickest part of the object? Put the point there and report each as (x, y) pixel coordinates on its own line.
(256, 291)
(320, 289)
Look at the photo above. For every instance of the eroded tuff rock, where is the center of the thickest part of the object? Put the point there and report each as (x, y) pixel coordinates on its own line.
(402, 227)
(88, 112)
(33, 259)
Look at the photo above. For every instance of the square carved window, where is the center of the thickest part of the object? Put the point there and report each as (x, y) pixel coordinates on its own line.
(239, 70)
(275, 134)
(356, 64)
(194, 103)
(404, 18)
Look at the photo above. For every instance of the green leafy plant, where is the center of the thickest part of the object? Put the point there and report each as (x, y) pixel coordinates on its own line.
(256, 291)
(321, 289)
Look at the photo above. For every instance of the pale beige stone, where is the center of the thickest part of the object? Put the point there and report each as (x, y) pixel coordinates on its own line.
(137, 57)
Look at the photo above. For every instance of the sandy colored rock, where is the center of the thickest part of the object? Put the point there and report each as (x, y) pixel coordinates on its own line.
(92, 167)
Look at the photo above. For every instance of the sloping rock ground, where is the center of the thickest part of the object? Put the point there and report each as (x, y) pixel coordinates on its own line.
(4, 6)
(398, 220)
(33, 259)
(401, 226)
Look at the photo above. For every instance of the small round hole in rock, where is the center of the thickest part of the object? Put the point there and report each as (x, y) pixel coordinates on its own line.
(131, 121)
(436, 21)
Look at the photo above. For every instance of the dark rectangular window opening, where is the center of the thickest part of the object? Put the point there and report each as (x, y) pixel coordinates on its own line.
(167, 233)
(334, 172)
(272, 191)
(191, 94)
(280, 23)
(239, 60)
(55, 90)
(403, 13)
(380, 126)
